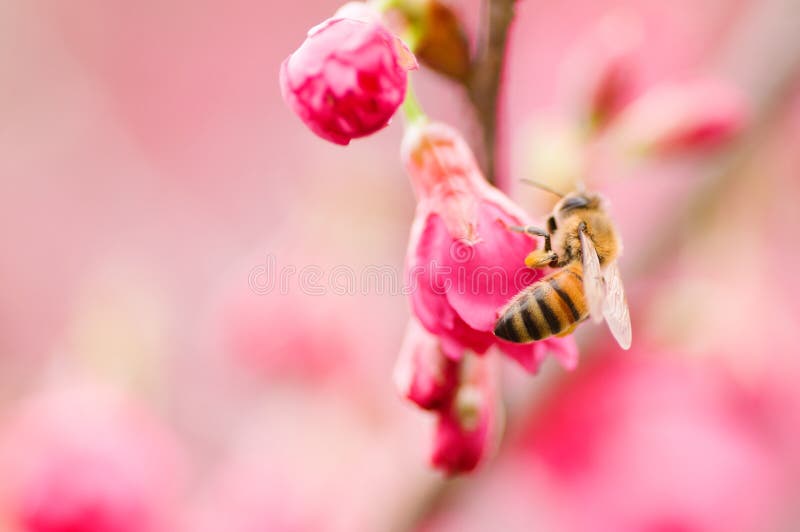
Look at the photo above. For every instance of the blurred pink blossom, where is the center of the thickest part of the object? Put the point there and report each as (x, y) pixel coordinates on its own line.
(672, 119)
(85, 460)
(269, 335)
(602, 71)
(463, 262)
(642, 443)
(614, 110)
(349, 76)
(254, 499)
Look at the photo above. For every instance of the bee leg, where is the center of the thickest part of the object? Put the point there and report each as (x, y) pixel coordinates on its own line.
(540, 258)
(551, 224)
(533, 230)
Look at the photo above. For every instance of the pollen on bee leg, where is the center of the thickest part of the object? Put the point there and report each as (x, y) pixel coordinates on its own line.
(539, 258)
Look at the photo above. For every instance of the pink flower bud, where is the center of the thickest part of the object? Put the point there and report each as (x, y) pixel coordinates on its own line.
(423, 373)
(463, 263)
(349, 76)
(675, 119)
(467, 426)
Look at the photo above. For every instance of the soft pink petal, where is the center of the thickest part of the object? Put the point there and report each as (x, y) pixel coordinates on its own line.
(490, 272)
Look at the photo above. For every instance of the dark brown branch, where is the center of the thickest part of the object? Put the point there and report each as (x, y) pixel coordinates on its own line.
(483, 84)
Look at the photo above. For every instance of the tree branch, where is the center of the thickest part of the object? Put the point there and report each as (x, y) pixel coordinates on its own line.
(486, 73)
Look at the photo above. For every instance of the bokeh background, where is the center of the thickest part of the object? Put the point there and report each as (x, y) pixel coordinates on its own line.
(148, 167)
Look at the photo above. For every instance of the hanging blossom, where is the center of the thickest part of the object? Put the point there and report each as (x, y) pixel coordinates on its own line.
(460, 393)
(349, 76)
(463, 263)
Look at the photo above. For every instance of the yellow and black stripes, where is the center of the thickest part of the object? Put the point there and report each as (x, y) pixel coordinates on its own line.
(548, 307)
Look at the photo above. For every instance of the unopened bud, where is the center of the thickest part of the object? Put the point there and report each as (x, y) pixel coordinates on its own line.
(468, 428)
(348, 77)
(423, 373)
(672, 120)
(443, 44)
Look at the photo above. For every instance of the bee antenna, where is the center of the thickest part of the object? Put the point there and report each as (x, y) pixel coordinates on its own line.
(542, 187)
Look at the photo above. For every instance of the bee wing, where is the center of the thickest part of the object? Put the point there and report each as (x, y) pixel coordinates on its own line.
(593, 282)
(615, 307)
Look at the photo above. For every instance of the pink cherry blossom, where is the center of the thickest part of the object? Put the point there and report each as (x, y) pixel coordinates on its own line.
(423, 373)
(460, 392)
(86, 461)
(680, 118)
(467, 425)
(463, 263)
(349, 76)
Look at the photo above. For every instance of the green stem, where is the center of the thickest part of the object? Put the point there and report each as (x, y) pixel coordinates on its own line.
(414, 19)
(385, 5)
(411, 107)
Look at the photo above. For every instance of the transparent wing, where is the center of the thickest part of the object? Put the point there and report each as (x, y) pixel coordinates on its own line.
(593, 282)
(615, 307)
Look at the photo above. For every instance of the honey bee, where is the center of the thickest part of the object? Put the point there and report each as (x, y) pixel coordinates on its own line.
(582, 242)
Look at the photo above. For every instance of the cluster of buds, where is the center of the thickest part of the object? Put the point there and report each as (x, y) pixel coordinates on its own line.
(461, 393)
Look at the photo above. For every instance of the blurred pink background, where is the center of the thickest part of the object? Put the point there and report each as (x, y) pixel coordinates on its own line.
(148, 165)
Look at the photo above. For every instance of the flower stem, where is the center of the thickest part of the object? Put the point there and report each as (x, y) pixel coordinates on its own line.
(412, 110)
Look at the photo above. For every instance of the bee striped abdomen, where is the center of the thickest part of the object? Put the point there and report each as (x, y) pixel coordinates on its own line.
(547, 307)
